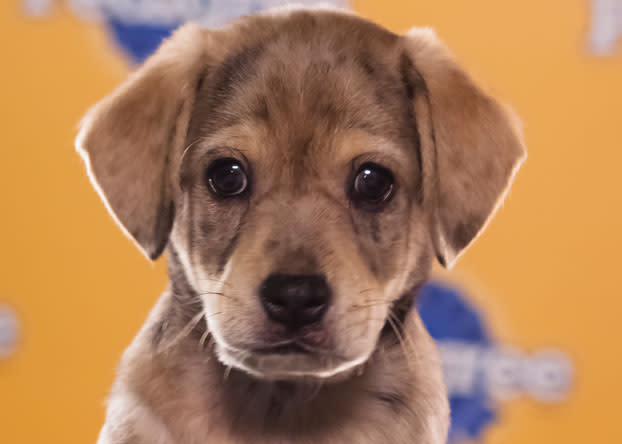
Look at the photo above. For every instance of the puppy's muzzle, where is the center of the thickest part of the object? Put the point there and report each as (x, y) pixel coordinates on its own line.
(295, 301)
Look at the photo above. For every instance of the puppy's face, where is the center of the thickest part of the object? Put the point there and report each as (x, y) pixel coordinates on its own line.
(299, 191)
(303, 168)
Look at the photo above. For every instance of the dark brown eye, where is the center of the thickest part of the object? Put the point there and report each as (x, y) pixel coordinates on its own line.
(373, 184)
(226, 177)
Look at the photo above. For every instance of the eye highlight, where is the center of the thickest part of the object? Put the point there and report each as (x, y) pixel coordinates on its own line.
(373, 184)
(226, 177)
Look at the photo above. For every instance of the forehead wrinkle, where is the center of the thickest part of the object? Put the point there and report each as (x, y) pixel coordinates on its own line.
(316, 89)
(220, 86)
(357, 142)
(334, 39)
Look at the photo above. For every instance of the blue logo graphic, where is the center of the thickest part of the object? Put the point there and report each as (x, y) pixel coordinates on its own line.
(449, 318)
(139, 41)
(139, 26)
(478, 372)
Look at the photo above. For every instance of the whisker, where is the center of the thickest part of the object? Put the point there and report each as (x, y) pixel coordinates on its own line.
(400, 324)
(184, 331)
(211, 341)
(183, 154)
(396, 320)
(315, 389)
(227, 372)
(204, 337)
(358, 323)
(186, 301)
(218, 281)
(412, 352)
(217, 293)
(367, 305)
(401, 341)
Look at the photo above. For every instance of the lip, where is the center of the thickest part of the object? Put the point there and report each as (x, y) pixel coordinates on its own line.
(288, 348)
(287, 360)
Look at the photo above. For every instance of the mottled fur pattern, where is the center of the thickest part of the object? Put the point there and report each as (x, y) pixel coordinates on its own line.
(301, 99)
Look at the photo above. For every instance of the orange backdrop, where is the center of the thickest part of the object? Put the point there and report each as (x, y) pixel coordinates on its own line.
(546, 271)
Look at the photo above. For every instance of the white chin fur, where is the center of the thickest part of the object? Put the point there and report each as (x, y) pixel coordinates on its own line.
(288, 367)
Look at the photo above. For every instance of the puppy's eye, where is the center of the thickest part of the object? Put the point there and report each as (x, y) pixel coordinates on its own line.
(226, 177)
(373, 184)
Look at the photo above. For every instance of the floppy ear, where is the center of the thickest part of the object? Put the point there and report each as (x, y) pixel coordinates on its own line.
(132, 140)
(471, 146)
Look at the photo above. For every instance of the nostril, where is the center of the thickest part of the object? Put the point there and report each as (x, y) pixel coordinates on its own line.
(316, 302)
(277, 298)
(313, 313)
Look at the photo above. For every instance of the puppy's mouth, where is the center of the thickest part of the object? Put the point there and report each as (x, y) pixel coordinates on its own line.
(288, 361)
(286, 348)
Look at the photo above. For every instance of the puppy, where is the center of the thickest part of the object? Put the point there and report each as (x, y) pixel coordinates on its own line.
(301, 170)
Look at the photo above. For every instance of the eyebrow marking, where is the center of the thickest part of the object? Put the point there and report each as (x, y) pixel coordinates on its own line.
(219, 88)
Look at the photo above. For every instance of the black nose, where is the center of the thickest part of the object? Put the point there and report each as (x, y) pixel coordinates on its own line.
(295, 300)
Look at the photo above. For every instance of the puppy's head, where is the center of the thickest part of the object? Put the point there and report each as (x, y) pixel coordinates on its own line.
(304, 168)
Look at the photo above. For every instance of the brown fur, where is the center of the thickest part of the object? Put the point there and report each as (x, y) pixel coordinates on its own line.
(301, 99)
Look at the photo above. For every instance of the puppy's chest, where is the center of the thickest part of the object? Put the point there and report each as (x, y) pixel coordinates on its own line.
(268, 418)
